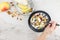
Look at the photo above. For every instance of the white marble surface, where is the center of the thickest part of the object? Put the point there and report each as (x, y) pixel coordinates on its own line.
(11, 29)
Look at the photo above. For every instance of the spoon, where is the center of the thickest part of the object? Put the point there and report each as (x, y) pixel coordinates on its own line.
(56, 24)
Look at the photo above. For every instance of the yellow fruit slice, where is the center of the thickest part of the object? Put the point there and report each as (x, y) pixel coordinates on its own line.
(24, 8)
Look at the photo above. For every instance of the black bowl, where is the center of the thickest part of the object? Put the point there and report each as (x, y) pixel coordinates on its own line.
(38, 30)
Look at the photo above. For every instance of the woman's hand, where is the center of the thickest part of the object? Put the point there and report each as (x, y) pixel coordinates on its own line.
(48, 30)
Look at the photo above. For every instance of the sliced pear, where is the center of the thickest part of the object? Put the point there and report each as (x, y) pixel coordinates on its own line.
(24, 8)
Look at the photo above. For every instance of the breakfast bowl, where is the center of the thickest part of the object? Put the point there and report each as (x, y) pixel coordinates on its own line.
(38, 20)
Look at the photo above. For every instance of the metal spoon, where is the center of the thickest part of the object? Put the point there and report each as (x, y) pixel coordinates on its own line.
(56, 24)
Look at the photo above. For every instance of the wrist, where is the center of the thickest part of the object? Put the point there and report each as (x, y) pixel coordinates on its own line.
(44, 34)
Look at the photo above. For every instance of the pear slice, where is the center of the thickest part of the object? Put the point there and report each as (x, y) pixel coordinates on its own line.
(24, 8)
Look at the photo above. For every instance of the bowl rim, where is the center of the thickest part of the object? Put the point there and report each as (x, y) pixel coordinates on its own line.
(29, 23)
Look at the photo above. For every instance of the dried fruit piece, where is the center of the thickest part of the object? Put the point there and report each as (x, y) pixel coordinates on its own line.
(11, 2)
(13, 15)
(31, 9)
(9, 12)
(12, 5)
(20, 18)
(17, 18)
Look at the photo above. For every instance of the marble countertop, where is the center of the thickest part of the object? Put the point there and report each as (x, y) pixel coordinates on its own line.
(11, 29)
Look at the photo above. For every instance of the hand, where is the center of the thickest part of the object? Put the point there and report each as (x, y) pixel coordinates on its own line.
(50, 28)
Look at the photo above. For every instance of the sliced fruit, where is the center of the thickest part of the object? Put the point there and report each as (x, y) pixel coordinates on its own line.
(24, 8)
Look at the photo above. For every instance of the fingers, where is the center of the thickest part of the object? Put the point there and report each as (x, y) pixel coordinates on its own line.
(49, 25)
(54, 24)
